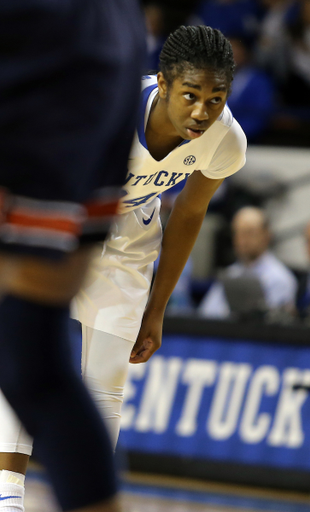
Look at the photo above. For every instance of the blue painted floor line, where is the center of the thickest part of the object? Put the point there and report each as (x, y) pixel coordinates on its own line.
(217, 499)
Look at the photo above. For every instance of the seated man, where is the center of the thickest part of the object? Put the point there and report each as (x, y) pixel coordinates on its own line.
(251, 238)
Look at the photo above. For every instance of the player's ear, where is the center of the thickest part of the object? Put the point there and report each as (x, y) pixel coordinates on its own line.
(162, 85)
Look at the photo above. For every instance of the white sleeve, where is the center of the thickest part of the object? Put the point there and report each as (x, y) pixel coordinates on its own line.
(214, 303)
(229, 156)
(284, 290)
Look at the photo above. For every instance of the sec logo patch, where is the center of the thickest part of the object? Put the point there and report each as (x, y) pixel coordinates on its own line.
(189, 160)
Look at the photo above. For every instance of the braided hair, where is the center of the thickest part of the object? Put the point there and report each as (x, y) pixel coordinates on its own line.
(198, 47)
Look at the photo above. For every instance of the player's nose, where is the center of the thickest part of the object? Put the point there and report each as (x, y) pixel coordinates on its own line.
(200, 113)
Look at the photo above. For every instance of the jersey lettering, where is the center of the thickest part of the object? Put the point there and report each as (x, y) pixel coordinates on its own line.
(130, 175)
(138, 200)
(160, 174)
(173, 179)
(139, 178)
(150, 179)
(159, 181)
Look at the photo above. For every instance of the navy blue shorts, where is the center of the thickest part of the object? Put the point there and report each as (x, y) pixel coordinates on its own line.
(69, 87)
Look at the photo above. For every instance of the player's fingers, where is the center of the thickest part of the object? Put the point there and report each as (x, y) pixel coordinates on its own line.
(143, 356)
(140, 344)
(142, 351)
(136, 348)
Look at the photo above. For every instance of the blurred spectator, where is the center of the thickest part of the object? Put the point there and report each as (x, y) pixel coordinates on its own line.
(283, 48)
(296, 91)
(252, 98)
(251, 239)
(303, 297)
(154, 18)
(231, 16)
(272, 44)
(163, 17)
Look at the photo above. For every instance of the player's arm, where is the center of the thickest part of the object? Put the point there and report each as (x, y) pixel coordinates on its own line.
(180, 235)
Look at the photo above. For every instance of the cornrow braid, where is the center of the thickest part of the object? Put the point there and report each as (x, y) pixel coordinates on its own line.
(201, 47)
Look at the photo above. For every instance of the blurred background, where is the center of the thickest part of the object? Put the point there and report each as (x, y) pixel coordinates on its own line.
(271, 100)
(226, 397)
(219, 418)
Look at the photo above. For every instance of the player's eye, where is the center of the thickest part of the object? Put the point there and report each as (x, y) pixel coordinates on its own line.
(216, 101)
(189, 96)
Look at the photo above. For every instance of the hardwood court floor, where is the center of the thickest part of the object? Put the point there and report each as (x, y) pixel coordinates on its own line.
(150, 493)
(153, 493)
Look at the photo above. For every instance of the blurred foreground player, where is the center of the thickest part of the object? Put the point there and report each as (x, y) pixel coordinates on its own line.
(64, 103)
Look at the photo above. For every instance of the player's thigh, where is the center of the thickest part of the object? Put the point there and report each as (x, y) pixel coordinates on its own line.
(105, 359)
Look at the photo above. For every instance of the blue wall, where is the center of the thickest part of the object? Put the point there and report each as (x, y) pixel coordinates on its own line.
(221, 399)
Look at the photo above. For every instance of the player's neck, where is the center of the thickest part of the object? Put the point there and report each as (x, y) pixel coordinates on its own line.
(160, 134)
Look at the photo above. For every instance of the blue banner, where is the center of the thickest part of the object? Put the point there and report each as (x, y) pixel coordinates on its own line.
(223, 400)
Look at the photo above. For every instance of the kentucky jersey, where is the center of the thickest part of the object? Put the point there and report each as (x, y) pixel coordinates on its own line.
(114, 297)
(218, 153)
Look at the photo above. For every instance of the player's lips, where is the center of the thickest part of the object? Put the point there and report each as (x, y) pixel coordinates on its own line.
(194, 133)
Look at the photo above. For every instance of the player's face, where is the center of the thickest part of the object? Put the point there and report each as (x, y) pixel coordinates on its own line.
(307, 238)
(250, 240)
(194, 100)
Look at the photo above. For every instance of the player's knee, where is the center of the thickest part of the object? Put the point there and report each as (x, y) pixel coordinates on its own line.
(100, 394)
(104, 390)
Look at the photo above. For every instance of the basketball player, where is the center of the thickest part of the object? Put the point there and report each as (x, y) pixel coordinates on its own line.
(64, 104)
(185, 130)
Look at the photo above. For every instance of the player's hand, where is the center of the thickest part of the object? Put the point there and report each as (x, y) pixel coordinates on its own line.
(149, 338)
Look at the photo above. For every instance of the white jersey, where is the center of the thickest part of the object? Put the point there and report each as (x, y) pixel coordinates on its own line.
(218, 153)
(115, 295)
